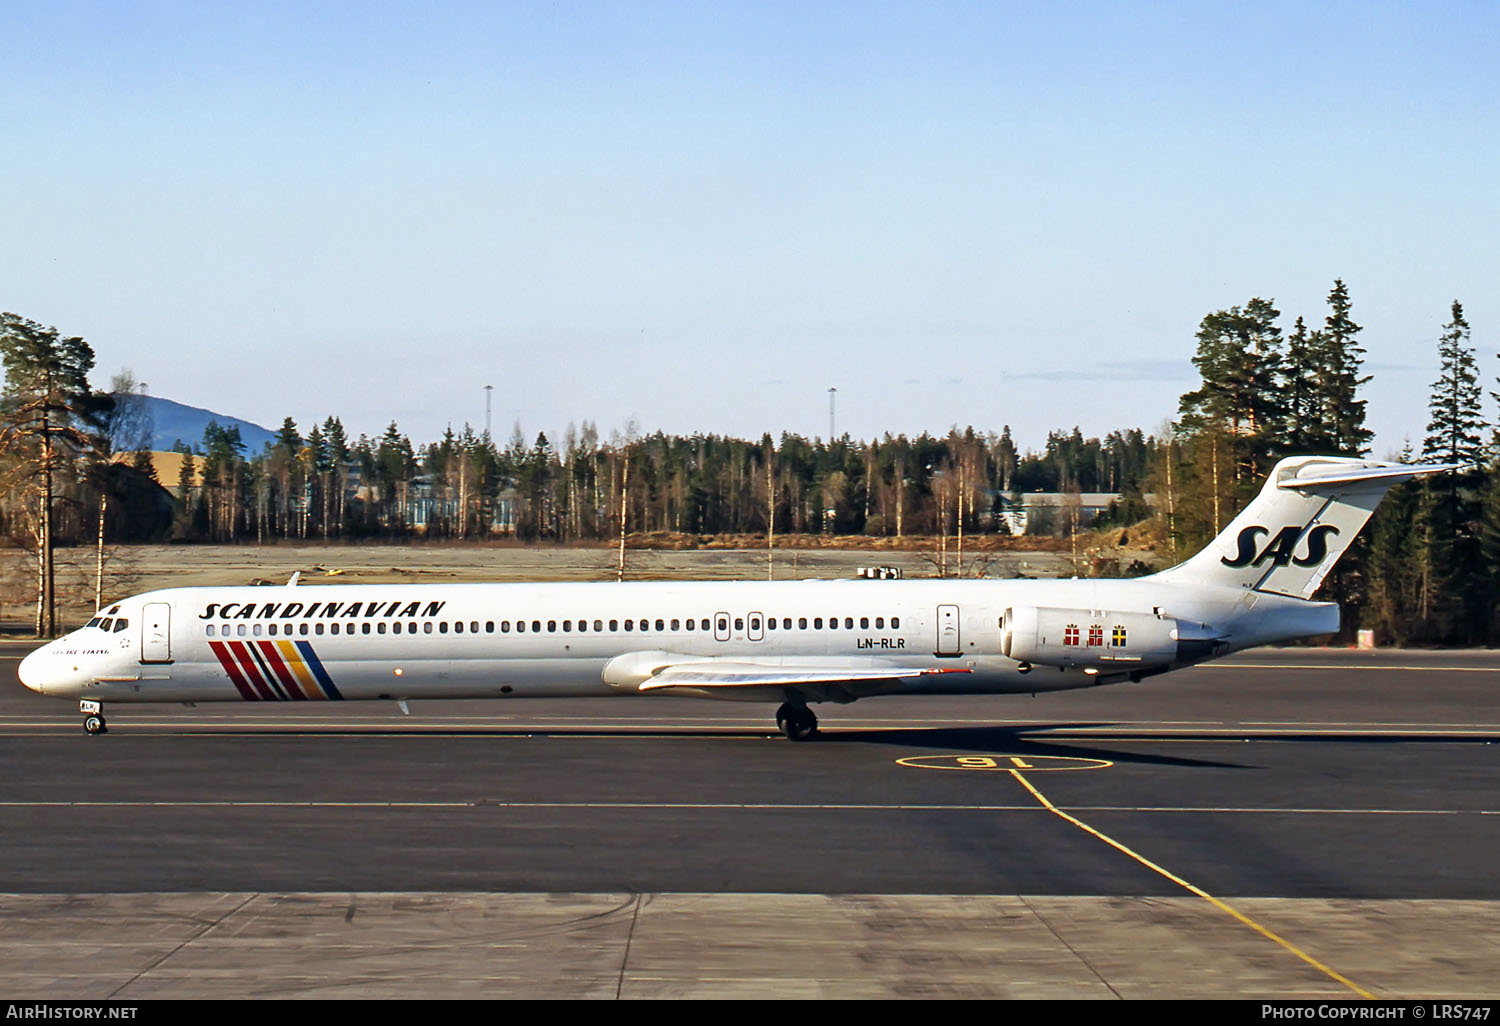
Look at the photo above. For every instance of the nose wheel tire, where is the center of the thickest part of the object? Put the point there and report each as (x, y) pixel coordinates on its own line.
(95, 725)
(797, 722)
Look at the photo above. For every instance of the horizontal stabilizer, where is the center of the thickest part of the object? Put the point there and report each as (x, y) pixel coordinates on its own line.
(1314, 476)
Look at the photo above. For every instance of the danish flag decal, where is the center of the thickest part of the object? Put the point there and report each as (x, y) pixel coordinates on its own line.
(1280, 550)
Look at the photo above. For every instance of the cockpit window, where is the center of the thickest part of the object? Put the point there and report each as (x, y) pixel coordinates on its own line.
(94, 622)
(113, 610)
(107, 625)
(121, 624)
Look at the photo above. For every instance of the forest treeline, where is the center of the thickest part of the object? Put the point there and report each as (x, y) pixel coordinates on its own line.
(77, 470)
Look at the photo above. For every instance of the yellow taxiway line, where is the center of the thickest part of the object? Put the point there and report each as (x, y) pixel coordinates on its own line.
(1200, 892)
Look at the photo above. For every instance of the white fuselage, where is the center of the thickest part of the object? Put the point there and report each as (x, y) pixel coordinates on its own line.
(312, 642)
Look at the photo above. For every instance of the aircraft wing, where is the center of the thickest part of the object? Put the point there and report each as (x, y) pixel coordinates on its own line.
(750, 675)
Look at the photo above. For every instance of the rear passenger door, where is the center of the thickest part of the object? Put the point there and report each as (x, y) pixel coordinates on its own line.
(947, 631)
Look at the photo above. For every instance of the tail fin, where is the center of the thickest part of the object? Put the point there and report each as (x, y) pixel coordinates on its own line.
(1295, 530)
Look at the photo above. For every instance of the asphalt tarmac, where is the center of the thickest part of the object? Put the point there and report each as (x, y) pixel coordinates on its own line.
(1353, 797)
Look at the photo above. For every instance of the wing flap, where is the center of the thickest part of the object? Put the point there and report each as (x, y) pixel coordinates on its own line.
(753, 675)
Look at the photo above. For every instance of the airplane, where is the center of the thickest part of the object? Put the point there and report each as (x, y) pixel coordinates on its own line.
(797, 643)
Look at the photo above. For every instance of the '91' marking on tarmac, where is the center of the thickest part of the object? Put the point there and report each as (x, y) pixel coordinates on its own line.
(1003, 763)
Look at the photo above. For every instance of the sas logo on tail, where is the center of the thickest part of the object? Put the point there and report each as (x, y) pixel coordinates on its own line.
(1280, 549)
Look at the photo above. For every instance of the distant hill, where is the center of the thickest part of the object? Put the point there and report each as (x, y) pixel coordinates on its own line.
(173, 421)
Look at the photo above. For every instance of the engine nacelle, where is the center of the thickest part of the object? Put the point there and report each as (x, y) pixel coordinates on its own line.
(1088, 637)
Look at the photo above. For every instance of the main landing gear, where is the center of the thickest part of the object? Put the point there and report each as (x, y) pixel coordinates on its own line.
(797, 722)
(93, 717)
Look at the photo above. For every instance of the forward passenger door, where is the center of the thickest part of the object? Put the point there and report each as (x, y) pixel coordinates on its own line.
(156, 632)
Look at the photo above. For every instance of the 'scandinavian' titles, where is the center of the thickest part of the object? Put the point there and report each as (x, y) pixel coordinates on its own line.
(296, 610)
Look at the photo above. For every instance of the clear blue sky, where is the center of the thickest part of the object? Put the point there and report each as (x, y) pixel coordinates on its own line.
(703, 215)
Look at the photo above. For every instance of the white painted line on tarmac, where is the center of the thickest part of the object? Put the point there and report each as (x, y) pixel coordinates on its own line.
(730, 806)
(1345, 666)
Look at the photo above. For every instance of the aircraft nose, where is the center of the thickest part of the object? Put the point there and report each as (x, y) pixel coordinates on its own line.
(36, 669)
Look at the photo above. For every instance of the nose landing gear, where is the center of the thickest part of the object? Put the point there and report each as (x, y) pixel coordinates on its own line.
(93, 717)
(797, 722)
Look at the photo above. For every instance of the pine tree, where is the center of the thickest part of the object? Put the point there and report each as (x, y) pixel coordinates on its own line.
(49, 417)
(320, 466)
(224, 476)
(1231, 425)
(182, 521)
(1489, 549)
(1392, 567)
(393, 465)
(1304, 431)
(1453, 432)
(1342, 359)
(338, 458)
(1454, 437)
(1240, 359)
